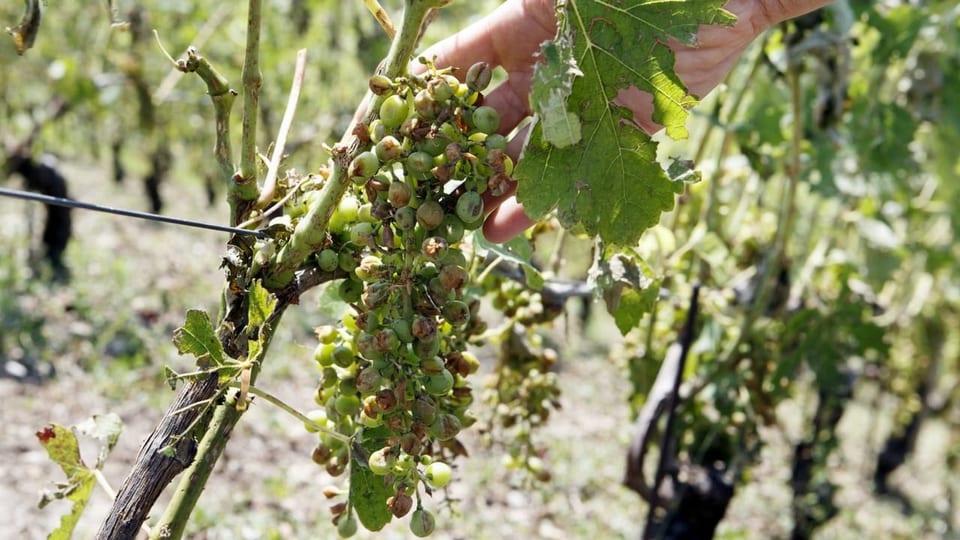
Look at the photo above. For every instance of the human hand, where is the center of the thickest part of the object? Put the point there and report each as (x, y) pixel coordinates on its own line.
(511, 36)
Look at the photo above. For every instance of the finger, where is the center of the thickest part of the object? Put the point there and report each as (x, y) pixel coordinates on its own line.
(506, 222)
(508, 37)
(511, 101)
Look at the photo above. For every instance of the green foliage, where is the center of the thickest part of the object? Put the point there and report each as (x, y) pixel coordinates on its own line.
(198, 337)
(63, 448)
(369, 492)
(609, 182)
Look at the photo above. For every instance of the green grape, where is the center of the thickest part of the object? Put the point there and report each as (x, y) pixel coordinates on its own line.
(425, 105)
(350, 291)
(347, 404)
(348, 386)
(433, 146)
(327, 333)
(348, 207)
(363, 167)
(470, 207)
(419, 162)
(323, 354)
(478, 76)
(438, 474)
(365, 213)
(328, 260)
(452, 228)
(439, 384)
(342, 356)
(455, 257)
(318, 417)
(370, 268)
(361, 233)
(406, 218)
(347, 526)
(422, 523)
(377, 131)
(456, 313)
(347, 260)
(426, 348)
(430, 215)
(382, 461)
(393, 111)
(471, 361)
(485, 119)
(370, 421)
(399, 194)
(432, 366)
(401, 327)
(495, 141)
(380, 85)
(388, 149)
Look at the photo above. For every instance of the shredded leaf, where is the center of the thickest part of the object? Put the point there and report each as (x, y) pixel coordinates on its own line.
(608, 182)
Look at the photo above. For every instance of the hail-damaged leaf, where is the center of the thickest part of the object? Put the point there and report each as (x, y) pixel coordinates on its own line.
(682, 170)
(628, 288)
(552, 84)
(25, 33)
(261, 305)
(609, 183)
(518, 251)
(106, 430)
(368, 494)
(63, 449)
(198, 338)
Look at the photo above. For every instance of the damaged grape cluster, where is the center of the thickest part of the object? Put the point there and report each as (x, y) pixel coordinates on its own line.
(394, 372)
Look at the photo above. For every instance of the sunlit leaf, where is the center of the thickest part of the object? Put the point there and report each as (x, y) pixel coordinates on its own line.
(61, 445)
(369, 494)
(609, 182)
(198, 337)
(261, 305)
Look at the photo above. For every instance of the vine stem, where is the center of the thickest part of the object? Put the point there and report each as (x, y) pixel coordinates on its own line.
(252, 80)
(311, 229)
(279, 403)
(112, 493)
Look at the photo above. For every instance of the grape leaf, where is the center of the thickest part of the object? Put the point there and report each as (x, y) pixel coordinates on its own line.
(261, 305)
(198, 337)
(368, 495)
(628, 287)
(519, 251)
(608, 182)
(105, 429)
(62, 447)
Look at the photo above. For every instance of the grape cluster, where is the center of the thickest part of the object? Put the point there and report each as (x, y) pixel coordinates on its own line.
(523, 390)
(394, 373)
